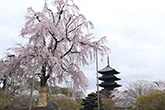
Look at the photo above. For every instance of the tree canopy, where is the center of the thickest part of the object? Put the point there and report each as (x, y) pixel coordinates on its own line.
(151, 101)
(60, 40)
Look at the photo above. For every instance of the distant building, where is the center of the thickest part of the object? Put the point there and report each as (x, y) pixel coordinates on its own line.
(109, 80)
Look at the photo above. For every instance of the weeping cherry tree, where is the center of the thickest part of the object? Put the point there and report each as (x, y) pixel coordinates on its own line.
(60, 40)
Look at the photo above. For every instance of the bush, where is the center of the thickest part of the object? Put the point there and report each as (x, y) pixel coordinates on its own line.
(108, 104)
(16, 100)
(151, 101)
(65, 103)
(69, 104)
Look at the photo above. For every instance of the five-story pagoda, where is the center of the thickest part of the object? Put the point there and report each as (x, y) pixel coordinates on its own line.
(108, 78)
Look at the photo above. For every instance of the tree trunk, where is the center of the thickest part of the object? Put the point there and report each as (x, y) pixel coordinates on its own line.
(42, 99)
(4, 83)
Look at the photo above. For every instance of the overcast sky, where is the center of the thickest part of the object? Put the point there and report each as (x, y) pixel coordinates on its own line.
(135, 30)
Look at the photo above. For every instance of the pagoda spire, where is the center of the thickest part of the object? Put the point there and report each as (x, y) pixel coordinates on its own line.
(108, 60)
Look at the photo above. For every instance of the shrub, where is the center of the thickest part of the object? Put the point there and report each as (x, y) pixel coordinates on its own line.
(108, 104)
(151, 101)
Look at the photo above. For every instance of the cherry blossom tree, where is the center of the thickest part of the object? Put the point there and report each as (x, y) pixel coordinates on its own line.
(60, 41)
(126, 98)
(159, 85)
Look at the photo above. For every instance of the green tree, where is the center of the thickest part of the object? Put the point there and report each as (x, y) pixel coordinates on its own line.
(151, 101)
(90, 103)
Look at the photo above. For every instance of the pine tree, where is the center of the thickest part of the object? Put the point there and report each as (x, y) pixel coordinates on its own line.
(90, 103)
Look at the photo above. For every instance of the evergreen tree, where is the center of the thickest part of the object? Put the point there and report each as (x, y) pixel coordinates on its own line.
(90, 103)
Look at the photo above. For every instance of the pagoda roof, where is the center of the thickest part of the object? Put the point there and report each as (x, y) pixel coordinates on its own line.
(103, 84)
(108, 69)
(109, 77)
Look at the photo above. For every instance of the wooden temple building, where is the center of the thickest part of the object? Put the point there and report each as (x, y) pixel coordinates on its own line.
(109, 80)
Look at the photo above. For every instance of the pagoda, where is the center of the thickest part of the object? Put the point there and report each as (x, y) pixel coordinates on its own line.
(109, 80)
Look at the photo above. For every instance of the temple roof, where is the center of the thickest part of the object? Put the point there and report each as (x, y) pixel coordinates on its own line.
(109, 85)
(109, 77)
(106, 69)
